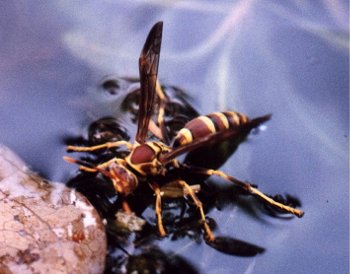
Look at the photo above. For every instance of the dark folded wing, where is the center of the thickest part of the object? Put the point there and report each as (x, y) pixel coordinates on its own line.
(148, 66)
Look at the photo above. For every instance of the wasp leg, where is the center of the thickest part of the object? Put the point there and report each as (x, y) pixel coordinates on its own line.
(209, 234)
(157, 192)
(161, 112)
(249, 188)
(126, 206)
(174, 191)
(152, 127)
(105, 145)
(160, 130)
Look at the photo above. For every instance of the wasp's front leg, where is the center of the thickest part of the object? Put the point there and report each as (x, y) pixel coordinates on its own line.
(102, 146)
(84, 166)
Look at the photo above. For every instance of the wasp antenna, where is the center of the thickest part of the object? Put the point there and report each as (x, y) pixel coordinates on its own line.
(70, 160)
(78, 162)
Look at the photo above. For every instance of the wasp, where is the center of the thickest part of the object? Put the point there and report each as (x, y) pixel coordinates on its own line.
(151, 161)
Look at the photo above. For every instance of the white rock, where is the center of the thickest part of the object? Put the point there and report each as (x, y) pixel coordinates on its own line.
(45, 227)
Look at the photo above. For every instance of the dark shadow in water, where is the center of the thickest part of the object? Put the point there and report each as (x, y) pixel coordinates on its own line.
(133, 244)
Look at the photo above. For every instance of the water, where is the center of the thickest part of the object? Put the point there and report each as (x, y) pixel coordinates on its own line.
(256, 57)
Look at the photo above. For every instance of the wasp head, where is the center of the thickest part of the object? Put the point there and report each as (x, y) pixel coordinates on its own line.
(124, 181)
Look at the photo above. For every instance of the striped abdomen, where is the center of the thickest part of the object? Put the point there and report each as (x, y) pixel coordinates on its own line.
(209, 124)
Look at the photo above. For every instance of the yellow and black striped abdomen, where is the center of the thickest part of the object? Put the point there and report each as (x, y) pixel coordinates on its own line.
(205, 125)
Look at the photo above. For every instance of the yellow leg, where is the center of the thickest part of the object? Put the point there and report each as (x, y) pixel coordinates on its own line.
(156, 190)
(126, 207)
(152, 127)
(161, 111)
(105, 145)
(252, 190)
(209, 234)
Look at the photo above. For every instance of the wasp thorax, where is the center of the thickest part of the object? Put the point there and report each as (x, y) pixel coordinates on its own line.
(144, 159)
(124, 181)
(142, 154)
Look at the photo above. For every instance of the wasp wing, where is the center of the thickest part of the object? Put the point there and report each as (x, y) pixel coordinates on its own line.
(215, 138)
(148, 66)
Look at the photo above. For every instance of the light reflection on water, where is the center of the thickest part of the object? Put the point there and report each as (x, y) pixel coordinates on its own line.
(257, 57)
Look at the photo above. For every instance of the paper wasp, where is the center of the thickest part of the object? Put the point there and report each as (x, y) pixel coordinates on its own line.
(152, 161)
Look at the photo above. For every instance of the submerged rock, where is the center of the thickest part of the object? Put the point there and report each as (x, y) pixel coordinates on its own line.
(45, 227)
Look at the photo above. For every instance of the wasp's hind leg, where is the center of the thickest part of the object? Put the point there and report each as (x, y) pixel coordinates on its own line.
(102, 146)
(248, 188)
